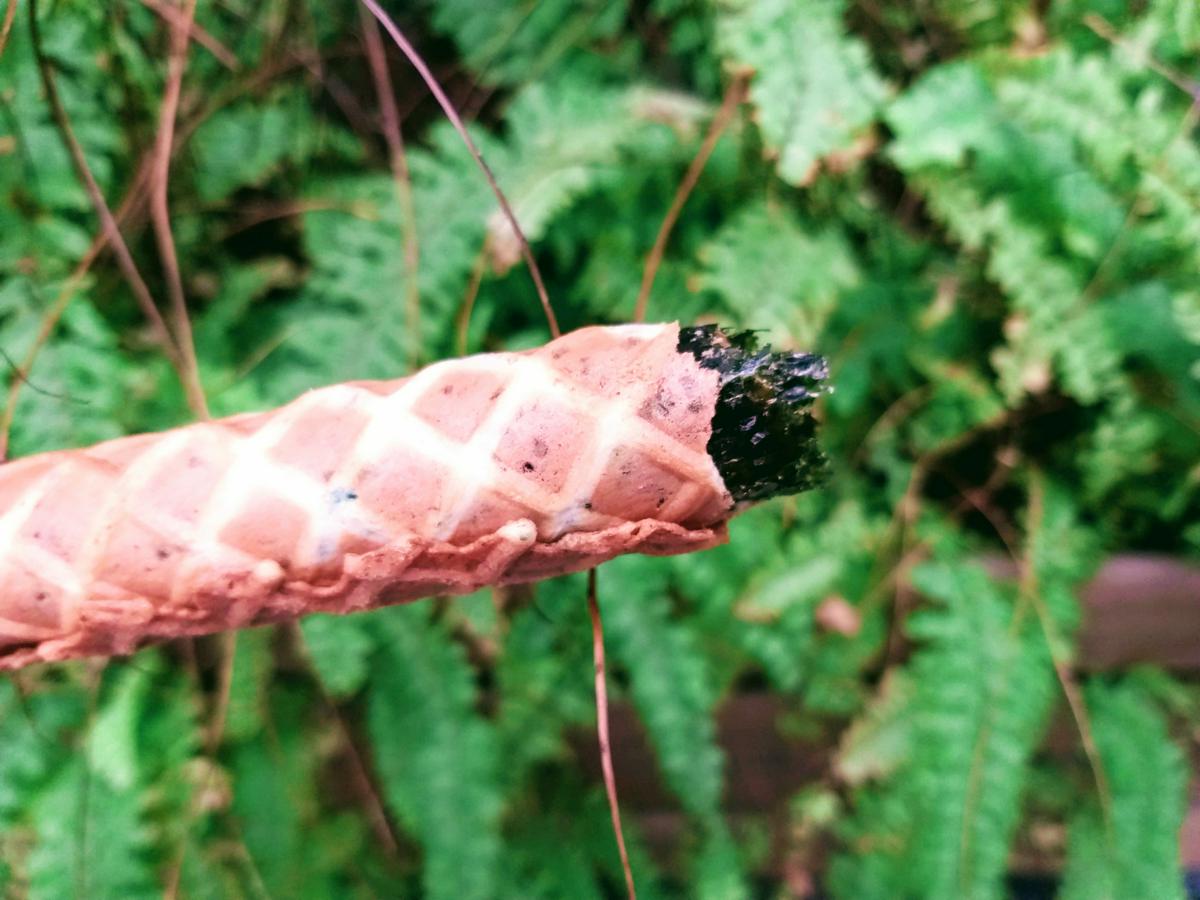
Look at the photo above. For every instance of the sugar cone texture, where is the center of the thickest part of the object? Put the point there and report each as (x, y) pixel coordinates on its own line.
(491, 469)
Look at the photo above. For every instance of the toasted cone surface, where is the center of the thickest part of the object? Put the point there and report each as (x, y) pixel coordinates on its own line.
(491, 469)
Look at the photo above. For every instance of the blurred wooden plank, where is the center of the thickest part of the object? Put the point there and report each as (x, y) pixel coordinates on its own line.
(1137, 609)
(1142, 608)
(763, 772)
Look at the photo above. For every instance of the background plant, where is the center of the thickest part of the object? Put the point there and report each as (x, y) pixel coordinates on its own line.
(987, 214)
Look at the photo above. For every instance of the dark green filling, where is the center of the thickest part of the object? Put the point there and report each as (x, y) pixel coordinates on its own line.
(764, 436)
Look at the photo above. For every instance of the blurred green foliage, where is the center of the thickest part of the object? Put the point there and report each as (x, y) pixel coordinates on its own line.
(987, 214)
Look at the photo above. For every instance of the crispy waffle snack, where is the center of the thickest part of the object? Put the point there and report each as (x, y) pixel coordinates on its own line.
(492, 469)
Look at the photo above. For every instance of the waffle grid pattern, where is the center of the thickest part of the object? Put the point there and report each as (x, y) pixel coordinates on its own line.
(90, 597)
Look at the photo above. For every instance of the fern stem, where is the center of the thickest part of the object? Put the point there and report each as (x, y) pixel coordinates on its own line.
(606, 763)
(95, 678)
(452, 114)
(172, 16)
(372, 803)
(10, 13)
(133, 277)
(734, 95)
(45, 329)
(1062, 670)
(463, 322)
(1104, 29)
(160, 214)
(398, 160)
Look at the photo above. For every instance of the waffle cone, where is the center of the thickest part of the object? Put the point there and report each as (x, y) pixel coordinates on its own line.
(491, 469)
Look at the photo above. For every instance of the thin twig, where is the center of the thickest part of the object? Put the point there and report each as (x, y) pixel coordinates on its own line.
(346, 99)
(197, 33)
(370, 795)
(734, 95)
(124, 259)
(448, 108)
(130, 204)
(10, 14)
(160, 212)
(95, 677)
(49, 321)
(1111, 255)
(210, 745)
(18, 375)
(900, 408)
(253, 215)
(464, 313)
(220, 712)
(606, 763)
(1066, 678)
(23, 693)
(398, 159)
(1104, 29)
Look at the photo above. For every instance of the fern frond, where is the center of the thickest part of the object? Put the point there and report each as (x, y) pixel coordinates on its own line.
(514, 42)
(249, 684)
(340, 648)
(772, 273)
(567, 138)
(1140, 857)
(81, 383)
(675, 698)
(27, 764)
(435, 756)
(243, 144)
(296, 846)
(89, 840)
(668, 680)
(985, 685)
(876, 861)
(544, 680)
(815, 88)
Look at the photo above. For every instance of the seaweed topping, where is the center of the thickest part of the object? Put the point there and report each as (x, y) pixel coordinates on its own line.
(764, 436)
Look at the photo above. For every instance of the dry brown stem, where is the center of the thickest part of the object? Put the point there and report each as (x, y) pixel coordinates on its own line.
(174, 17)
(734, 95)
(160, 212)
(606, 762)
(398, 160)
(109, 225)
(452, 114)
(10, 14)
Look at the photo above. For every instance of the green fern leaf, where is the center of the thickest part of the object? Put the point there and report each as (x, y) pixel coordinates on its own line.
(590, 811)
(296, 847)
(249, 684)
(881, 739)
(543, 860)
(717, 870)
(674, 695)
(544, 677)
(1148, 778)
(243, 144)
(776, 275)
(340, 648)
(270, 785)
(567, 139)
(668, 679)
(32, 733)
(984, 688)
(876, 861)
(81, 383)
(436, 757)
(814, 88)
(515, 42)
(90, 840)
